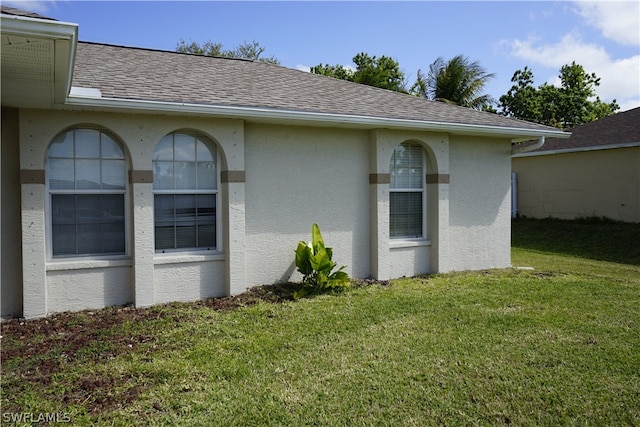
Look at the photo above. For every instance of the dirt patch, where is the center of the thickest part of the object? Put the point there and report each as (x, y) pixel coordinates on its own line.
(34, 351)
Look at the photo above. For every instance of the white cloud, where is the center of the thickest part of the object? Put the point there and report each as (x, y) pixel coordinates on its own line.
(617, 20)
(304, 68)
(619, 78)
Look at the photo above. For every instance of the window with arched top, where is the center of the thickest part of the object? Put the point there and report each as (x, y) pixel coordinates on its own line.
(185, 186)
(86, 180)
(407, 192)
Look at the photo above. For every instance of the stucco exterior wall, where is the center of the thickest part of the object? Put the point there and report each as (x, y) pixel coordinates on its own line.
(479, 204)
(53, 285)
(580, 184)
(88, 288)
(276, 181)
(297, 176)
(10, 233)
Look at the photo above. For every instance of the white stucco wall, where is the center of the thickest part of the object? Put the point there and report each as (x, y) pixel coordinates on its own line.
(297, 176)
(49, 283)
(281, 180)
(88, 288)
(479, 204)
(188, 281)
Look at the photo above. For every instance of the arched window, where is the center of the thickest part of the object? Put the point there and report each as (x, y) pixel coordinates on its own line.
(87, 186)
(185, 186)
(406, 192)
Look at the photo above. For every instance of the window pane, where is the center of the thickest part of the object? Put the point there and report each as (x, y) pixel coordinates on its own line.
(109, 148)
(165, 235)
(163, 208)
(185, 175)
(63, 239)
(207, 176)
(203, 152)
(89, 238)
(206, 236)
(406, 167)
(185, 221)
(89, 210)
(163, 175)
(113, 208)
(185, 207)
(405, 214)
(61, 175)
(113, 238)
(206, 216)
(62, 145)
(164, 149)
(87, 143)
(185, 235)
(113, 174)
(87, 174)
(63, 209)
(185, 147)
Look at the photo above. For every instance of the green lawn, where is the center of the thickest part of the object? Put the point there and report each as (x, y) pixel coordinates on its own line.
(557, 345)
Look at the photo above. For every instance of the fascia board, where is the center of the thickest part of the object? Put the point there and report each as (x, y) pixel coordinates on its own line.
(33, 27)
(577, 150)
(306, 117)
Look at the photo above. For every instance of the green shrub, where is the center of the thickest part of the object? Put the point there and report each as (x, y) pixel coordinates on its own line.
(314, 262)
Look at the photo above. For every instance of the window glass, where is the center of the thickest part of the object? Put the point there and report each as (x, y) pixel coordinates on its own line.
(87, 184)
(185, 192)
(406, 192)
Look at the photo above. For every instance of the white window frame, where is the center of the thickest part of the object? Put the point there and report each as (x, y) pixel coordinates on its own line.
(172, 252)
(62, 260)
(411, 240)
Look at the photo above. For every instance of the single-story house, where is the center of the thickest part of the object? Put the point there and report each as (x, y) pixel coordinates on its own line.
(141, 176)
(596, 172)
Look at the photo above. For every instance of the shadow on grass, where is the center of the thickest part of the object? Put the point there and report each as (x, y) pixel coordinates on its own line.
(593, 238)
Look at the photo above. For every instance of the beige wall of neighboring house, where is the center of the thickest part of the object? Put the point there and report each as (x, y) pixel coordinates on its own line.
(603, 182)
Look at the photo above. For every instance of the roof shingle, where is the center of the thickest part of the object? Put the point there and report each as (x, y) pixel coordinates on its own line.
(153, 75)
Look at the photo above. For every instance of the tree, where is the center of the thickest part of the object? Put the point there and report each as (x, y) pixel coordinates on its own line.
(457, 81)
(383, 72)
(567, 106)
(252, 51)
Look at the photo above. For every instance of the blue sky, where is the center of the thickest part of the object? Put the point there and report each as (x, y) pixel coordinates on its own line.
(504, 36)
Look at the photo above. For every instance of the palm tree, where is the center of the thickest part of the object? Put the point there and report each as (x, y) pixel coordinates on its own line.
(458, 81)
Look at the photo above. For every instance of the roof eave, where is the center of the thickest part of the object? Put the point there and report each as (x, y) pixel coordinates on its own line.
(305, 117)
(64, 36)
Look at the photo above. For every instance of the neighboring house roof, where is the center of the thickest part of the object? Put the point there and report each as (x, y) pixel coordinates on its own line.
(615, 131)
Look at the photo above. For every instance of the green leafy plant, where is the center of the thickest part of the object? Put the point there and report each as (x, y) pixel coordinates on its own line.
(314, 262)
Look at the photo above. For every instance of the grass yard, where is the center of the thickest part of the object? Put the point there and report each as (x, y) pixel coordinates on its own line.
(557, 345)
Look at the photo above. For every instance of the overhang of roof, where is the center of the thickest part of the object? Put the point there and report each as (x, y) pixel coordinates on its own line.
(37, 61)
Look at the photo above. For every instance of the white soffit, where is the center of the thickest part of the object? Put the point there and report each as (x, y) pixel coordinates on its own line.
(37, 61)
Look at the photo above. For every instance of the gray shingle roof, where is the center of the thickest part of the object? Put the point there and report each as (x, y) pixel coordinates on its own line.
(152, 75)
(6, 10)
(620, 128)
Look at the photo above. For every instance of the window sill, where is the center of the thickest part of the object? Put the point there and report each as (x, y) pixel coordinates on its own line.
(394, 244)
(87, 263)
(185, 257)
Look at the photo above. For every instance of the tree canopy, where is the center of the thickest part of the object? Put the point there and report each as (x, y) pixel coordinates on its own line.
(457, 81)
(383, 72)
(569, 105)
(252, 51)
